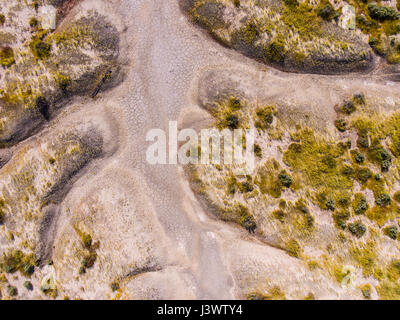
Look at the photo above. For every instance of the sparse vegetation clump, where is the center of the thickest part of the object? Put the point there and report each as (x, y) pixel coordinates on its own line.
(353, 181)
(341, 125)
(40, 49)
(348, 107)
(291, 35)
(327, 12)
(285, 179)
(90, 255)
(265, 117)
(382, 13)
(391, 232)
(115, 286)
(12, 291)
(360, 204)
(275, 293)
(28, 285)
(16, 260)
(383, 200)
(6, 57)
(357, 229)
(293, 248)
(366, 291)
(33, 22)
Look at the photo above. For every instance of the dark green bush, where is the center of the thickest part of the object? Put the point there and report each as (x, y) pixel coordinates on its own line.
(40, 49)
(28, 285)
(362, 206)
(257, 150)
(330, 205)
(357, 229)
(363, 141)
(391, 232)
(12, 291)
(6, 57)
(348, 107)
(340, 218)
(285, 179)
(383, 200)
(359, 98)
(382, 13)
(359, 157)
(33, 22)
(386, 165)
(232, 121)
(363, 174)
(246, 187)
(275, 52)
(341, 125)
(327, 12)
(115, 286)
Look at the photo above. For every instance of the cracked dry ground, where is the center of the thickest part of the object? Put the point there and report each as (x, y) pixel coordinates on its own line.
(84, 216)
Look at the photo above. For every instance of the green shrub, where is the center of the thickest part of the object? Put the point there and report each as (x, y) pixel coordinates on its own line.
(386, 165)
(327, 12)
(275, 52)
(359, 157)
(28, 285)
(363, 174)
(16, 260)
(40, 49)
(236, 3)
(257, 150)
(363, 141)
(359, 98)
(115, 286)
(12, 291)
(265, 117)
(383, 200)
(293, 248)
(382, 13)
(6, 57)
(246, 187)
(357, 229)
(279, 214)
(340, 218)
(341, 125)
(291, 3)
(232, 121)
(348, 107)
(330, 205)
(361, 205)
(285, 179)
(2, 19)
(33, 22)
(234, 103)
(366, 291)
(391, 232)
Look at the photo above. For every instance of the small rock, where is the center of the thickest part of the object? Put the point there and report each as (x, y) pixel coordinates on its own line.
(48, 16)
(348, 19)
